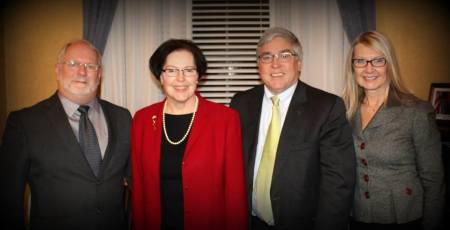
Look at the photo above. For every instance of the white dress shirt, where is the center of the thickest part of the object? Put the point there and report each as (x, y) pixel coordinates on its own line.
(266, 115)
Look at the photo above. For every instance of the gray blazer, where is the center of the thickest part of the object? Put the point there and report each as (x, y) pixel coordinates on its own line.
(399, 167)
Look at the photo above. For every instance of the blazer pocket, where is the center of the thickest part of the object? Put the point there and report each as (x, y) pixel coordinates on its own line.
(408, 201)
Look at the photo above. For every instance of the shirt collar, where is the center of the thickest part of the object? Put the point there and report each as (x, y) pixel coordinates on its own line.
(283, 96)
(71, 108)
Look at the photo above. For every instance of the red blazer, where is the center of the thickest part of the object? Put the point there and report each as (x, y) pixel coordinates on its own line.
(212, 170)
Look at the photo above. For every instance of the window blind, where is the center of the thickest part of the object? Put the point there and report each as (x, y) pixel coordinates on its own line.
(227, 32)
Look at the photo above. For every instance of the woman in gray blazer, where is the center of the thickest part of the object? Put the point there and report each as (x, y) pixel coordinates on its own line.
(398, 151)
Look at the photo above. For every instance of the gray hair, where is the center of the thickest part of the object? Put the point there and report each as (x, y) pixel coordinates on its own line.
(274, 32)
(63, 51)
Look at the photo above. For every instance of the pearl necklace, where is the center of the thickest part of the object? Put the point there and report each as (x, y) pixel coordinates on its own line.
(189, 128)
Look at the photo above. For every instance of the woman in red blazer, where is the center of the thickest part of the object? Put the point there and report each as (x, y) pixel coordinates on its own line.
(187, 162)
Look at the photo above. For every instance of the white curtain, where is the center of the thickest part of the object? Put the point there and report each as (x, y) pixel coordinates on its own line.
(140, 26)
(318, 25)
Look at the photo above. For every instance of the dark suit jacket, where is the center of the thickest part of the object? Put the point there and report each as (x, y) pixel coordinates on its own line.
(40, 147)
(314, 172)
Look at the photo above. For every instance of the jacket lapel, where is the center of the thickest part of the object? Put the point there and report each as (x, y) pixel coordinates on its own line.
(59, 121)
(152, 128)
(384, 115)
(356, 123)
(254, 115)
(199, 124)
(111, 137)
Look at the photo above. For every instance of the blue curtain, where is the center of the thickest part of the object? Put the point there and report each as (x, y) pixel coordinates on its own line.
(97, 21)
(357, 16)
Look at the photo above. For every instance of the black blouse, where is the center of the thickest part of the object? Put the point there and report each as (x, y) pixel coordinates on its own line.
(171, 186)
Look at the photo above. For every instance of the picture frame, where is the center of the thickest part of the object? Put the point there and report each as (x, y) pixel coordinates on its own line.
(440, 99)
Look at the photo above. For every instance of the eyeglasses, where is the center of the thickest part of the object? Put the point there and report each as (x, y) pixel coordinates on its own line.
(90, 67)
(376, 62)
(173, 72)
(282, 57)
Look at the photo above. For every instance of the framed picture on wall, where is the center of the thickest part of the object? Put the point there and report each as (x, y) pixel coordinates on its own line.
(440, 99)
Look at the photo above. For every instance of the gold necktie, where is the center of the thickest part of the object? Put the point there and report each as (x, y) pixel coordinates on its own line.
(264, 177)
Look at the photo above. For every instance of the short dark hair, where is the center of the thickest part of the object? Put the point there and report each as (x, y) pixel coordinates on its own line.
(158, 59)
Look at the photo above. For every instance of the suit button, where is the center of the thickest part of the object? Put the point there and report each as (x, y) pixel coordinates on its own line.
(364, 162)
(362, 146)
(408, 191)
(366, 178)
(367, 195)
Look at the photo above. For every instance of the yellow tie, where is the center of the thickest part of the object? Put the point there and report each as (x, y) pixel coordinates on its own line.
(264, 177)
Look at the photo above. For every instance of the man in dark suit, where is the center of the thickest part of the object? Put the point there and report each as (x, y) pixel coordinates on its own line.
(72, 149)
(298, 148)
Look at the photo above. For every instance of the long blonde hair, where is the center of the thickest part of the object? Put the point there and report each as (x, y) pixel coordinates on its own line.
(353, 93)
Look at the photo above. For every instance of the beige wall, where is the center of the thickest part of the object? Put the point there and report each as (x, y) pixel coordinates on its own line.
(32, 36)
(419, 31)
(33, 32)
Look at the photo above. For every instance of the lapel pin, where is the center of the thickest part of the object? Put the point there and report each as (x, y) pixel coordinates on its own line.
(154, 122)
